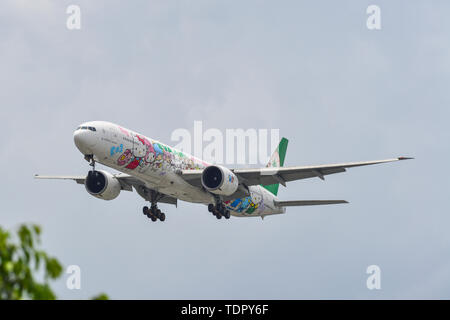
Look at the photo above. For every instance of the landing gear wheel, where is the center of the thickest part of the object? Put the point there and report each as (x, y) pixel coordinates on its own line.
(153, 197)
(219, 209)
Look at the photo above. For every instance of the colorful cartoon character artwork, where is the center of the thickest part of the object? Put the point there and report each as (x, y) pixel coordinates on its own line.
(157, 156)
(114, 150)
(158, 149)
(227, 203)
(150, 158)
(150, 154)
(167, 158)
(245, 203)
(191, 164)
(252, 207)
(129, 160)
(134, 163)
(235, 203)
(147, 159)
(125, 157)
(240, 205)
(177, 162)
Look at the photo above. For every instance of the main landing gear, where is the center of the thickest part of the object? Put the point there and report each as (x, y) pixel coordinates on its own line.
(153, 212)
(219, 210)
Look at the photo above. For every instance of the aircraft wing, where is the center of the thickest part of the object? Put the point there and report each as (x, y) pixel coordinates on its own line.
(271, 175)
(127, 183)
(77, 179)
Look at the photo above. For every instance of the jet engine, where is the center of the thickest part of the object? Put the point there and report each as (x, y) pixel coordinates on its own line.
(102, 185)
(219, 180)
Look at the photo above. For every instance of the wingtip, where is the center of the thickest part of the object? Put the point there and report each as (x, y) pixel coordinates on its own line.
(405, 158)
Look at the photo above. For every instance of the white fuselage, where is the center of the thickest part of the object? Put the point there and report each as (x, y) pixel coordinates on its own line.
(157, 164)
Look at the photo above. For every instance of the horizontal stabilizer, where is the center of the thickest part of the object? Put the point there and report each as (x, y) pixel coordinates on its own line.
(295, 203)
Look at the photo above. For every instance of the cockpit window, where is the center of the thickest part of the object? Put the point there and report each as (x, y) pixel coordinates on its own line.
(87, 128)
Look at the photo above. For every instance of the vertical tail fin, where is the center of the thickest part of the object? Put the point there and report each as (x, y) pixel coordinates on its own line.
(277, 160)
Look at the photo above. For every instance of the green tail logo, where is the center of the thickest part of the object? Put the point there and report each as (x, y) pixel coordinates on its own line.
(277, 160)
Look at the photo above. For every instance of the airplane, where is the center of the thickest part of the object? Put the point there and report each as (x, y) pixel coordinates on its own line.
(162, 174)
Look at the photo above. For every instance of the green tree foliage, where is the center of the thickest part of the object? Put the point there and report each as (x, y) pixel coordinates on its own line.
(101, 296)
(21, 261)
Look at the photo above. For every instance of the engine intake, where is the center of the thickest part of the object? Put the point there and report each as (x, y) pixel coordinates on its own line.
(219, 180)
(102, 185)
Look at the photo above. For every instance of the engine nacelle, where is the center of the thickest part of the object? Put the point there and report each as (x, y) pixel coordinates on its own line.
(219, 180)
(102, 184)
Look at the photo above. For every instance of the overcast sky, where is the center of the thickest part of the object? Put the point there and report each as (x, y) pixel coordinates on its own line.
(338, 91)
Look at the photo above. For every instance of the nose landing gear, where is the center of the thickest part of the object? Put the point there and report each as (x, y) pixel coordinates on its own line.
(90, 158)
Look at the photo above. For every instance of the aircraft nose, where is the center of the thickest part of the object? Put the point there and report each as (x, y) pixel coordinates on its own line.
(84, 140)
